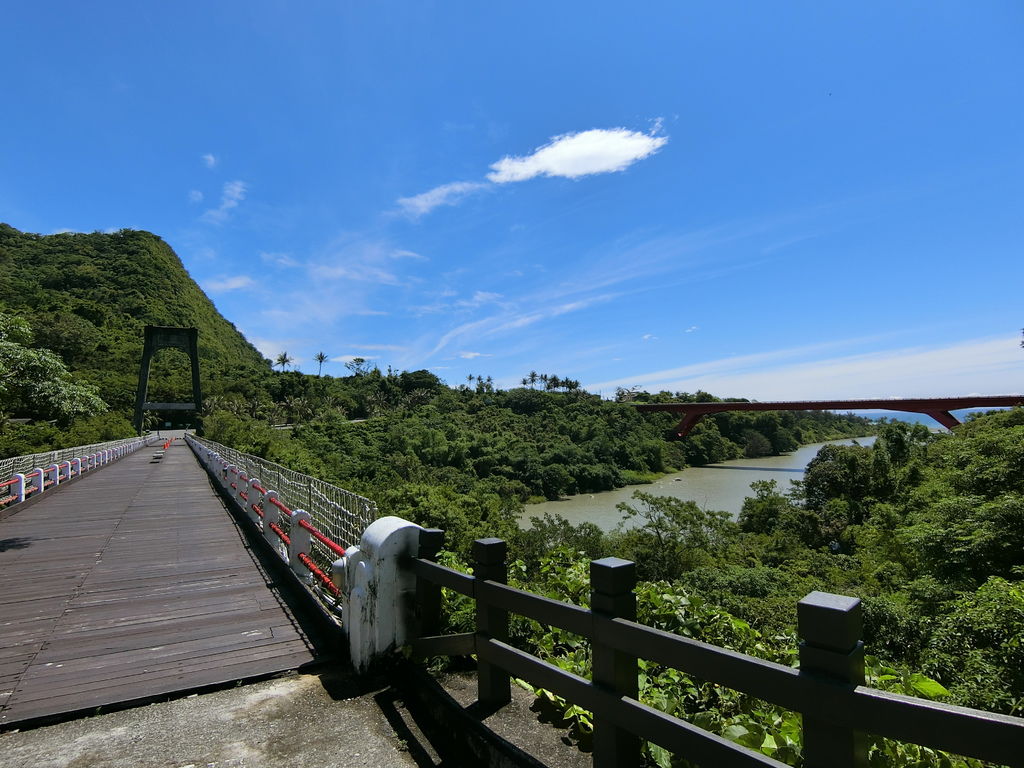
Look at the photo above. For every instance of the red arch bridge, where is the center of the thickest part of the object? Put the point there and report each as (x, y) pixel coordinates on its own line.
(939, 408)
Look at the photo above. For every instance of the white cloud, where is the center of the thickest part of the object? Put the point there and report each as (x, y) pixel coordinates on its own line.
(223, 285)
(992, 366)
(649, 337)
(691, 329)
(473, 355)
(209, 160)
(233, 193)
(479, 298)
(572, 155)
(66, 231)
(195, 196)
(446, 194)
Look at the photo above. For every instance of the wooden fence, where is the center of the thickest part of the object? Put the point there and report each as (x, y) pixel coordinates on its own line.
(828, 688)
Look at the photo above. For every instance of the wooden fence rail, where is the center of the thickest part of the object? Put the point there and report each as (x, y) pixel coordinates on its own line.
(828, 689)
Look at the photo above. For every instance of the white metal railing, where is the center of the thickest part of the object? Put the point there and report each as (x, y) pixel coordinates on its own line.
(24, 476)
(308, 522)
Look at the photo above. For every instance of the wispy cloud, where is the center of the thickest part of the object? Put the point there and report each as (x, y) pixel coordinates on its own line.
(195, 196)
(231, 195)
(209, 160)
(572, 155)
(280, 259)
(226, 284)
(648, 337)
(474, 355)
(989, 366)
(446, 194)
(364, 259)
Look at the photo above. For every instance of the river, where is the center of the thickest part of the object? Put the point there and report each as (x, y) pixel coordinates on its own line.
(716, 486)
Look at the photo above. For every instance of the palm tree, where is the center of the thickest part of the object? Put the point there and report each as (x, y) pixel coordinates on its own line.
(283, 360)
(320, 358)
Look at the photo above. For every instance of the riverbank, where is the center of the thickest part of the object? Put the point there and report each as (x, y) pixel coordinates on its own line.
(721, 486)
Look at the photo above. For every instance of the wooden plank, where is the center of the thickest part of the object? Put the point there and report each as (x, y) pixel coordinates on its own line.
(131, 583)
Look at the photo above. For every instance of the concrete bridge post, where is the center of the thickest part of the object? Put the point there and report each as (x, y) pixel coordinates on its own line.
(378, 594)
(40, 483)
(271, 516)
(18, 491)
(299, 542)
(76, 467)
(255, 500)
(53, 475)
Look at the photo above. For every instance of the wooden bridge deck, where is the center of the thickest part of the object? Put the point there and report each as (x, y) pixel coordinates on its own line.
(132, 583)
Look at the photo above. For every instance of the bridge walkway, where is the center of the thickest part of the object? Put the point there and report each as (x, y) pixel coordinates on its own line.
(131, 583)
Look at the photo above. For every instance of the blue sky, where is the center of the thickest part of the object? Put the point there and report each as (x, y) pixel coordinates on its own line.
(770, 200)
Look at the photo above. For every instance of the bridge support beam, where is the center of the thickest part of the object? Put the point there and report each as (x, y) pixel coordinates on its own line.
(164, 337)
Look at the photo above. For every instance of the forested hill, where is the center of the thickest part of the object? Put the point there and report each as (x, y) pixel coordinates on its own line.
(88, 297)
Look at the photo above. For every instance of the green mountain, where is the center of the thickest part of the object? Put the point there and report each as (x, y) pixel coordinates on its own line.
(89, 296)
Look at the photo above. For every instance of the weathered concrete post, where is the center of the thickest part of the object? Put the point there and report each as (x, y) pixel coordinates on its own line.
(299, 541)
(255, 500)
(379, 590)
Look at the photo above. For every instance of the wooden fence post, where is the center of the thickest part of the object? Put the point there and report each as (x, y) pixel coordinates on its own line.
(428, 595)
(493, 684)
(830, 627)
(612, 581)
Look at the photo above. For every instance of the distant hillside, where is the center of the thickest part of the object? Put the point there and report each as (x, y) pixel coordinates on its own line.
(88, 297)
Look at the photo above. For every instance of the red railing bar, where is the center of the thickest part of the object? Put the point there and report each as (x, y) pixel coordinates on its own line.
(12, 481)
(8, 499)
(259, 487)
(281, 506)
(308, 562)
(281, 534)
(333, 546)
(244, 495)
(257, 509)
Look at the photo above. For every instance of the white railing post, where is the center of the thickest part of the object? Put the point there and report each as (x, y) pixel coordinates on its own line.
(300, 542)
(241, 483)
(255, 498)
(54, 471)
(229, 470)
(19, 488)
(76, 467)
(271, 516)
(40, 479)
(64, 465)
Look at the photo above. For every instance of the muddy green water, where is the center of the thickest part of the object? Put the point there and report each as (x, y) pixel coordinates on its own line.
(716, 486)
